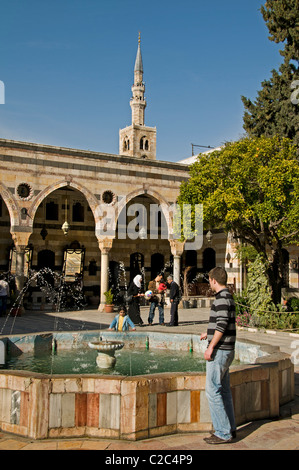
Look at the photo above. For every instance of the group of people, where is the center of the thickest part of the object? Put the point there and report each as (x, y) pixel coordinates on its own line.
(220, 336)
(157, 300)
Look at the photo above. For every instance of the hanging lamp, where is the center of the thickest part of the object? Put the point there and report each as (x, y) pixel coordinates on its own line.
(66, 226)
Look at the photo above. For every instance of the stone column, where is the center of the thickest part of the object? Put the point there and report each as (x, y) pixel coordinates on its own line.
(177, 248)
(105, 245)
(21, 242)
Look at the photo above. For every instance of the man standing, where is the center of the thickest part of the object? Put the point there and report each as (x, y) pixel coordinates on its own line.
(174, 296)
(219, 355)
(156, 300)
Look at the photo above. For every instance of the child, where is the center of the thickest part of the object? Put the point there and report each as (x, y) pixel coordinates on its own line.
(122, 321)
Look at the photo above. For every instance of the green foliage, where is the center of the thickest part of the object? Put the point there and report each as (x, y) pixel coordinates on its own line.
(281, 17)
(293, 304)
(275, 320)
(273, 112)
(250, 188)
(258, 292)
(246, 253)
(254, 307)
(246, 187)
(109, 297)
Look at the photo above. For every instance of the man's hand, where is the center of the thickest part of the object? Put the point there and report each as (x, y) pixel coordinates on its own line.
(215, 340)
(203, 336)
(208, 353)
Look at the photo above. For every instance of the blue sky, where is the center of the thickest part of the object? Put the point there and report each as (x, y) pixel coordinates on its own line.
(67, 66)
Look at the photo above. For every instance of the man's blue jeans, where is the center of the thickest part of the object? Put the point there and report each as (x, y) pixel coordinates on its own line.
(219, 394)
(152, 312)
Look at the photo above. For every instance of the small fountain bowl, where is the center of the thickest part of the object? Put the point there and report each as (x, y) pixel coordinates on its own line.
(106, 350)
(106, 346)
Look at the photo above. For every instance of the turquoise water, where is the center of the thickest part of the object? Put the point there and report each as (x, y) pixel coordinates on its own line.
(128, 362)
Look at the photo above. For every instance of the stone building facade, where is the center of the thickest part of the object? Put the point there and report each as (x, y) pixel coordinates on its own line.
(43, 187)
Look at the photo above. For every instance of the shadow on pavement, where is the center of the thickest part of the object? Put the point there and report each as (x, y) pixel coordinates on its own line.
(38, 322)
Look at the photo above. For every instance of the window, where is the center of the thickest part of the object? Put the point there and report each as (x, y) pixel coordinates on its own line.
(126, 145)
(136, 264)
(208, 260)
(78, 212)
(157, 264)
(144, 145)
(92, 268)
(52, 211)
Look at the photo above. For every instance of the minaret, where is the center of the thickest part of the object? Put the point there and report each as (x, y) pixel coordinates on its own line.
(138, 102)
(138, 140)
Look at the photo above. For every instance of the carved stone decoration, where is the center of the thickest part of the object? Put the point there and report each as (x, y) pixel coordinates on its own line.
(105, 244)
(108, 197)
(24, 191)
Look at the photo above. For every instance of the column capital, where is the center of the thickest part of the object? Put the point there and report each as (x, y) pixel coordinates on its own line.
(20, 239)
(176, 247)
(105, 244)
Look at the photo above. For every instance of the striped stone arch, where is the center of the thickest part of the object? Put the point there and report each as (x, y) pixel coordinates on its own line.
(165, 206)
(90, 197)
(11, 204)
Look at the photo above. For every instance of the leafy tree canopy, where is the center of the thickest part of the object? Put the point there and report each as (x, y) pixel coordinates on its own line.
(251, 188)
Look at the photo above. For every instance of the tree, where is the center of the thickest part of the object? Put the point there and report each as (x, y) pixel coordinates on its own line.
(274, 111)
(281, 17)
(251, 188)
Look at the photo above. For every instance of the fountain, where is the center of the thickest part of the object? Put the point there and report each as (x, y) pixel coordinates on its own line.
(39, 404)
(55, 404)
(106, 352)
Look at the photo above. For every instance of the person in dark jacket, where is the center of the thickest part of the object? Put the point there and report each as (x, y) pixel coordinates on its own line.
(174, 297)
(133, 295)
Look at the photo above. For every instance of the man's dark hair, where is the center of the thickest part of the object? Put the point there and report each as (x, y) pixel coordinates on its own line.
(219, 274)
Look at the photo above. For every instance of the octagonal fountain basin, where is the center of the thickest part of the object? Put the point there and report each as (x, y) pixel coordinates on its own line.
(45, 403)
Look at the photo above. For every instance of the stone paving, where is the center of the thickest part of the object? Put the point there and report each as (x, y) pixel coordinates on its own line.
(281, 434)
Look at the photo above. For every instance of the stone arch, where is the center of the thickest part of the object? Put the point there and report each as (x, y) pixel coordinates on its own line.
(165, 206)
(11, 204)
(91, 199)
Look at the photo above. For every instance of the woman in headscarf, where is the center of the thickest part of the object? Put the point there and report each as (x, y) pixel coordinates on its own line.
(133, 296)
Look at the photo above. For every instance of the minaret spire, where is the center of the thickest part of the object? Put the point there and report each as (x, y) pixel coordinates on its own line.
(138, 103)
(138, 62)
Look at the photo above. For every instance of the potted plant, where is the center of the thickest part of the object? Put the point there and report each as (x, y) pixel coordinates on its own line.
(109, 301)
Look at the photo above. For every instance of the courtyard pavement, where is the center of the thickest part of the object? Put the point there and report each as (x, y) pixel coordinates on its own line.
(266, 434)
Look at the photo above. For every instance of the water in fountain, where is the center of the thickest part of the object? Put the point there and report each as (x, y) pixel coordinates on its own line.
(128, 362)
(59, 294)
